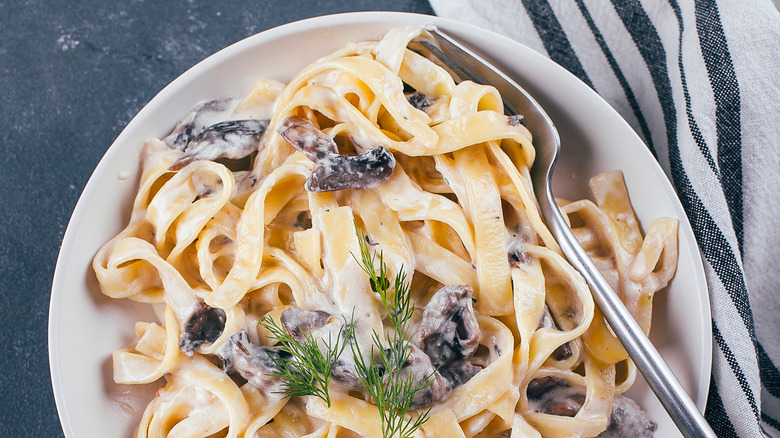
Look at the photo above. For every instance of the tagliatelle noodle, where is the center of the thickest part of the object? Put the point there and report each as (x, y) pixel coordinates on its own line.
(458, 209)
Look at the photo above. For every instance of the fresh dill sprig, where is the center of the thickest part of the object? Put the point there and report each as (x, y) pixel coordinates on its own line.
(396, 301)
(303, 367)
(390, 391)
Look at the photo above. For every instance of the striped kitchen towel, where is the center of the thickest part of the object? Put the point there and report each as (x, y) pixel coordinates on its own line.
(698, 80)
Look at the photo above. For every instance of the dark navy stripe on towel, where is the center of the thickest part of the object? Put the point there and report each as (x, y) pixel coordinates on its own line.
(713, 243)
(649, 45)
(709, 236)
(629, 93)
(770, 421)
(736, 369)
(725, 87)
(770, 375)
(694, 127)
(554, 38)
(716, 413)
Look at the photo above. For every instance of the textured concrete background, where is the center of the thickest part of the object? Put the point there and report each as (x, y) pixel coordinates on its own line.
(72, 75)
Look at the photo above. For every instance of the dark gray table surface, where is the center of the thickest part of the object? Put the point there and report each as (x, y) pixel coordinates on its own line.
(72, 75)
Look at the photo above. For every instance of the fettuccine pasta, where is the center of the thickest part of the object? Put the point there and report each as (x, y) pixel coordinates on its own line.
(255, 211)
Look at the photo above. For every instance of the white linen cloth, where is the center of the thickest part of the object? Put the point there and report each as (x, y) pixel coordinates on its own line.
(698, 81)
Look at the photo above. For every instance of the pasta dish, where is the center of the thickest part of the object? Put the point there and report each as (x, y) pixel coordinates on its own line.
(359, 253)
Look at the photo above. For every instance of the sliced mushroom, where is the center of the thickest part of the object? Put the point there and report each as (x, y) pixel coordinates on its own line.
(204, 326)
(333, 171)
(297, 320)
(253, 362)
(323, 325)
(201, 117)
(305, 137)
(566, 407)
(345, 373)
(553, 395)
(537, 388)
(303, 220)
(232, 139)
(419, 366)
(364, 171)
(628, 419)
(449, 333)
(420, 100)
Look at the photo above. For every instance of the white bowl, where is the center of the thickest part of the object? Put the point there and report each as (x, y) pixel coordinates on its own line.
(85, 327)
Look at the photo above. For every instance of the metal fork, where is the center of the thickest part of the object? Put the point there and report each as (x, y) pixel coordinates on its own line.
(464, 64)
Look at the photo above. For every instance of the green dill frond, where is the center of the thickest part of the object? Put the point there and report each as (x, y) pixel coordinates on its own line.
(392, 394)
(303, 367)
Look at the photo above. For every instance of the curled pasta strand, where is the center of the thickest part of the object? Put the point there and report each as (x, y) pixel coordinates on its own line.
(250, 237)
(189, 201)
(155, 352)
(196, 402)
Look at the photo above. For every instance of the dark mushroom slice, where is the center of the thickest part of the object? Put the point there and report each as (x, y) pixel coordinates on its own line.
(420, 100)
(305, 137)
(297, 321)
(334, 171)
(628, 419)
(419, 366)
(449, 333)
(563, 351)
(201, 117)
(204, 326)
(256, 364)
(554, 396)
(538, 387)
(364, 171)
(303, 220)
(233, 139)
(344, 371)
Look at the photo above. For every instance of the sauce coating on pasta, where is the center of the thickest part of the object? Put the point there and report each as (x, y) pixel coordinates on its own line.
(315, 246)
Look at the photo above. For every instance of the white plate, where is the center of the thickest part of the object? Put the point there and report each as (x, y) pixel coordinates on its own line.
(85, 327)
